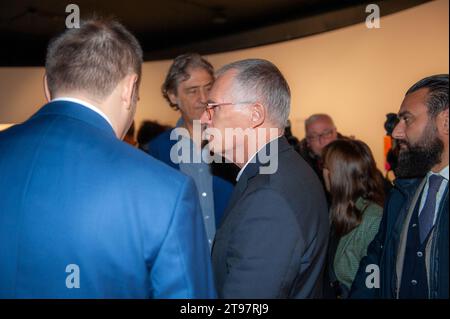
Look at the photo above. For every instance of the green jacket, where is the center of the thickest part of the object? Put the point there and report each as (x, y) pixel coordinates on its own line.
(353, 246)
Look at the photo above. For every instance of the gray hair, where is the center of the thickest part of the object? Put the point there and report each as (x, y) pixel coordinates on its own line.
(318, 117)
(260, 80)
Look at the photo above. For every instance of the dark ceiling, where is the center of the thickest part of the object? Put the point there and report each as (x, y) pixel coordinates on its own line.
(170, 27)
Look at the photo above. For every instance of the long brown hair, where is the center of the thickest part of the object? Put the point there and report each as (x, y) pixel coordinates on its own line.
(353, 174)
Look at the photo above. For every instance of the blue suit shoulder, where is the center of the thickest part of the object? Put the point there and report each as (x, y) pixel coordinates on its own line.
(110, 208)
(149, 166)
(160, 147)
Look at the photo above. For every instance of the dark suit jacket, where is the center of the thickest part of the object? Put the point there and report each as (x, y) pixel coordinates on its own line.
(273, 238)
(74, 194)
(383, 250)
(160, 148)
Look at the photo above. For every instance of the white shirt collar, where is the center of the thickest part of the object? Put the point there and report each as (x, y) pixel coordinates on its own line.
(86, 104)
(251, 158)
(443, 173)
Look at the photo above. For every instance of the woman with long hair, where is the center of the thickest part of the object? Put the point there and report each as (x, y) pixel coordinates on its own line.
(355, 186)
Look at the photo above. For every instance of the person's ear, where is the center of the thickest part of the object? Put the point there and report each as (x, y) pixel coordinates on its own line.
(441, 122)
(128, 90)
(258, 115)
(172, 97)
(46, 90)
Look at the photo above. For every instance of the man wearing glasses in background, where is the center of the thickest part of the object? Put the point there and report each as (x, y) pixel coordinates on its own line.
(320, 131)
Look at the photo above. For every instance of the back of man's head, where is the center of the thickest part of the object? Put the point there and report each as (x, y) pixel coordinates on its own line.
(92, 59)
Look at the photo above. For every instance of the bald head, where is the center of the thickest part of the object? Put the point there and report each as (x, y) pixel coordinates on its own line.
(322, 117)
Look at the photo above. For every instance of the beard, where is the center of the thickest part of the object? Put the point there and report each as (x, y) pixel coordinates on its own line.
(416, 160)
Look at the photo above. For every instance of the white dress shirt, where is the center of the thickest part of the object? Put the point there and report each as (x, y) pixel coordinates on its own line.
(86, 104)
(251, 158)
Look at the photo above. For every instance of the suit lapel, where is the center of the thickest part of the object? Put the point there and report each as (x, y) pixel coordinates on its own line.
(239, 189)
(404, 236)
(251, 171)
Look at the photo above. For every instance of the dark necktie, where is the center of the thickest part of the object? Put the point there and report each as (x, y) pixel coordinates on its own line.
(426, 216)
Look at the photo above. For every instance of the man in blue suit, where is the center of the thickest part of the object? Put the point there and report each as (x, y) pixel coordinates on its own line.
(83, 214)
(186, 89)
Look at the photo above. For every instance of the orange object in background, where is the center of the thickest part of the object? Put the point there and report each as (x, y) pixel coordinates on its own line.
(387, 147)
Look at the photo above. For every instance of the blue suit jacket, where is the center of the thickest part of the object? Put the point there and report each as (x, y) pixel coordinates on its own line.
(160, 147)
(72, 193)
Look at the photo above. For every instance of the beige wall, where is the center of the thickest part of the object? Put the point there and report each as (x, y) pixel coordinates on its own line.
(355, 74)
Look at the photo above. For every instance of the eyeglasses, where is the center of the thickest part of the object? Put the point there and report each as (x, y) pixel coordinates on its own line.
(317, 138)
(210, 106)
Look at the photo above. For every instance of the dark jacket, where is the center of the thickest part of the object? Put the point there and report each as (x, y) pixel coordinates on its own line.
(272, 240)
(383, 249)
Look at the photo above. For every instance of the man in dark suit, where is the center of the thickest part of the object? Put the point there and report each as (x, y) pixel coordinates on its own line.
(273, 237)
(83, 214)
(408, 258)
